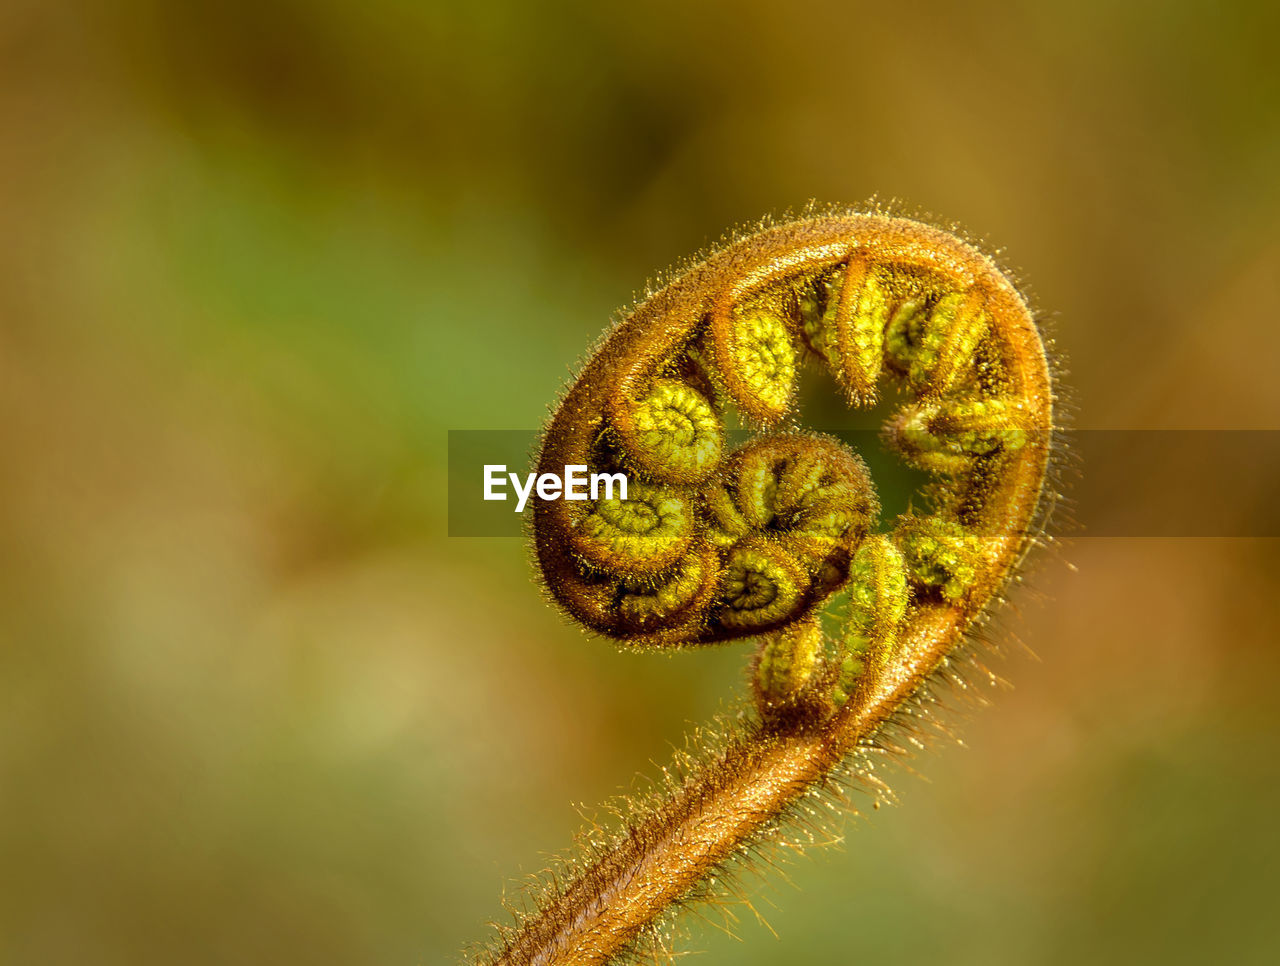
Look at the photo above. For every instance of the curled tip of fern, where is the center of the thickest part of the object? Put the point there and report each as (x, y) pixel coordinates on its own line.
(711, 545)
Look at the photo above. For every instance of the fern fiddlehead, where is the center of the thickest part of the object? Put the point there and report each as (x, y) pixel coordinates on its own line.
(711, 546)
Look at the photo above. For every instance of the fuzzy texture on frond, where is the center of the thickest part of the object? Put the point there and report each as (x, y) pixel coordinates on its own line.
(712, 545)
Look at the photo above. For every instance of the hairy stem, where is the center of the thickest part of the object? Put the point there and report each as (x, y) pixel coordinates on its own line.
(725, 806)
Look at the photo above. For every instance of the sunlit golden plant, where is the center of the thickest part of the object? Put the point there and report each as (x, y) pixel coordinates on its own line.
(713, 545)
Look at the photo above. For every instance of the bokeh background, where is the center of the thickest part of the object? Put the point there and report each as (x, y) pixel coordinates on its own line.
(256, 706)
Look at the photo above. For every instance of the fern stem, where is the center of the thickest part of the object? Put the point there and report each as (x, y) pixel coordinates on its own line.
(729, 804)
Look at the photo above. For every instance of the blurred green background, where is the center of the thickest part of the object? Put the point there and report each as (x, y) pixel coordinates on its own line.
(256, 706)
